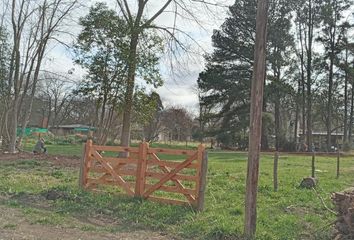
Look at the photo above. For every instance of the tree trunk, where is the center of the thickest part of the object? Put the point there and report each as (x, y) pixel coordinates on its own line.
(2, 123)
(128, 103)
(302, 83)
(297, 112)
(345, 120)
(264, 137)
(28, 110)
(201, 121)
(351, 115)
(13, 127)
(277, 123)
(13, 120)
(256, 119)
(309, 81)
(329, 105)
(277, 107)
(49, 111)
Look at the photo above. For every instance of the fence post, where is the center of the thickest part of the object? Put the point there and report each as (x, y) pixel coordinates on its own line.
(275, 171)
(84, 165)
(313, 165)
(141, 169)
(203, 168)
(338, 159)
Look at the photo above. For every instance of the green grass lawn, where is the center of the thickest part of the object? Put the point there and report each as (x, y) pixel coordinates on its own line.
(290, 213)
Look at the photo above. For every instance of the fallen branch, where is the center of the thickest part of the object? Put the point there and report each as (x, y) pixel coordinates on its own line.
(323, 202)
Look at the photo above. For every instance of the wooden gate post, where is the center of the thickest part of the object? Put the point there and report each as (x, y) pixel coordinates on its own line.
(202, 181)
(84, 165)
(198, 173)
(141, 169)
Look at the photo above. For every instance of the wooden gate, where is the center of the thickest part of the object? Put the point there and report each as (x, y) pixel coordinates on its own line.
(144, 172)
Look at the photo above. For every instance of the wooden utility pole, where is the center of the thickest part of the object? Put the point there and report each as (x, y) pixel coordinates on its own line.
(259, 73)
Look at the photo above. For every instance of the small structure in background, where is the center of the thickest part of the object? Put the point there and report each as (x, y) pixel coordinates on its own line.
(32, 131)
(70, 129)
(320, 140)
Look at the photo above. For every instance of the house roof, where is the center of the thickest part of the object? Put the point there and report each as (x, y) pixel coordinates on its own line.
(325, 133)
(71, 126)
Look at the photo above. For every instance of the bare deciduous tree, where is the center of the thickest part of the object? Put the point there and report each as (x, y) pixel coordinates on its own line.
(139, 21)
(34, 25)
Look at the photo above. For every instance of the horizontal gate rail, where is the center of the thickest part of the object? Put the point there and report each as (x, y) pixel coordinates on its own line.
(145, 174)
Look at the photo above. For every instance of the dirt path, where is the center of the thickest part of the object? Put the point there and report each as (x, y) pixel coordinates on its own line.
(58, 160)
(14, 226)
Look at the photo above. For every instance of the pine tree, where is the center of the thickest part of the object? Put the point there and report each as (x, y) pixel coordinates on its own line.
(225, 82)
(226, 79)
(332, 15)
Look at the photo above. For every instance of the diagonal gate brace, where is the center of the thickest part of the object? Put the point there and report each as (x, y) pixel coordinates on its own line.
(114, 175)
(168, 176)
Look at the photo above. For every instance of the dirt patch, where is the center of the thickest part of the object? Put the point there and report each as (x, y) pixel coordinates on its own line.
(58, 160)
(298, 210)
(30, 200)
(54, 194)
(13, 225)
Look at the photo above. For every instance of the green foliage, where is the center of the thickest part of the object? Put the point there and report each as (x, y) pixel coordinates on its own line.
(103, 49)
(147, 113)
(146, 106)
(299, 77)
(225, 82)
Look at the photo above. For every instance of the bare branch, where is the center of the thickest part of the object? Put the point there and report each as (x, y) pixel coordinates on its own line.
(210, 3)
(158, 13)
(124, 7)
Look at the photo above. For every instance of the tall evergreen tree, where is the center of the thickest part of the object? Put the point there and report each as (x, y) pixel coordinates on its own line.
(307, 19)
(332, 14)
(225, 82)
(281, 43)
(226, 78)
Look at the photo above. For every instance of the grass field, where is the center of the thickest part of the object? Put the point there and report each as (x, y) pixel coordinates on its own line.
(290, 213)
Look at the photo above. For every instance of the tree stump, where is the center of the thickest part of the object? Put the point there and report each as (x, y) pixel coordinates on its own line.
(308, 182)
(344, 204)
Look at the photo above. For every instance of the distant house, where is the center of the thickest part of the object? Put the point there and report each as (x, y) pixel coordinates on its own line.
(320, 139)
(63, 130)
